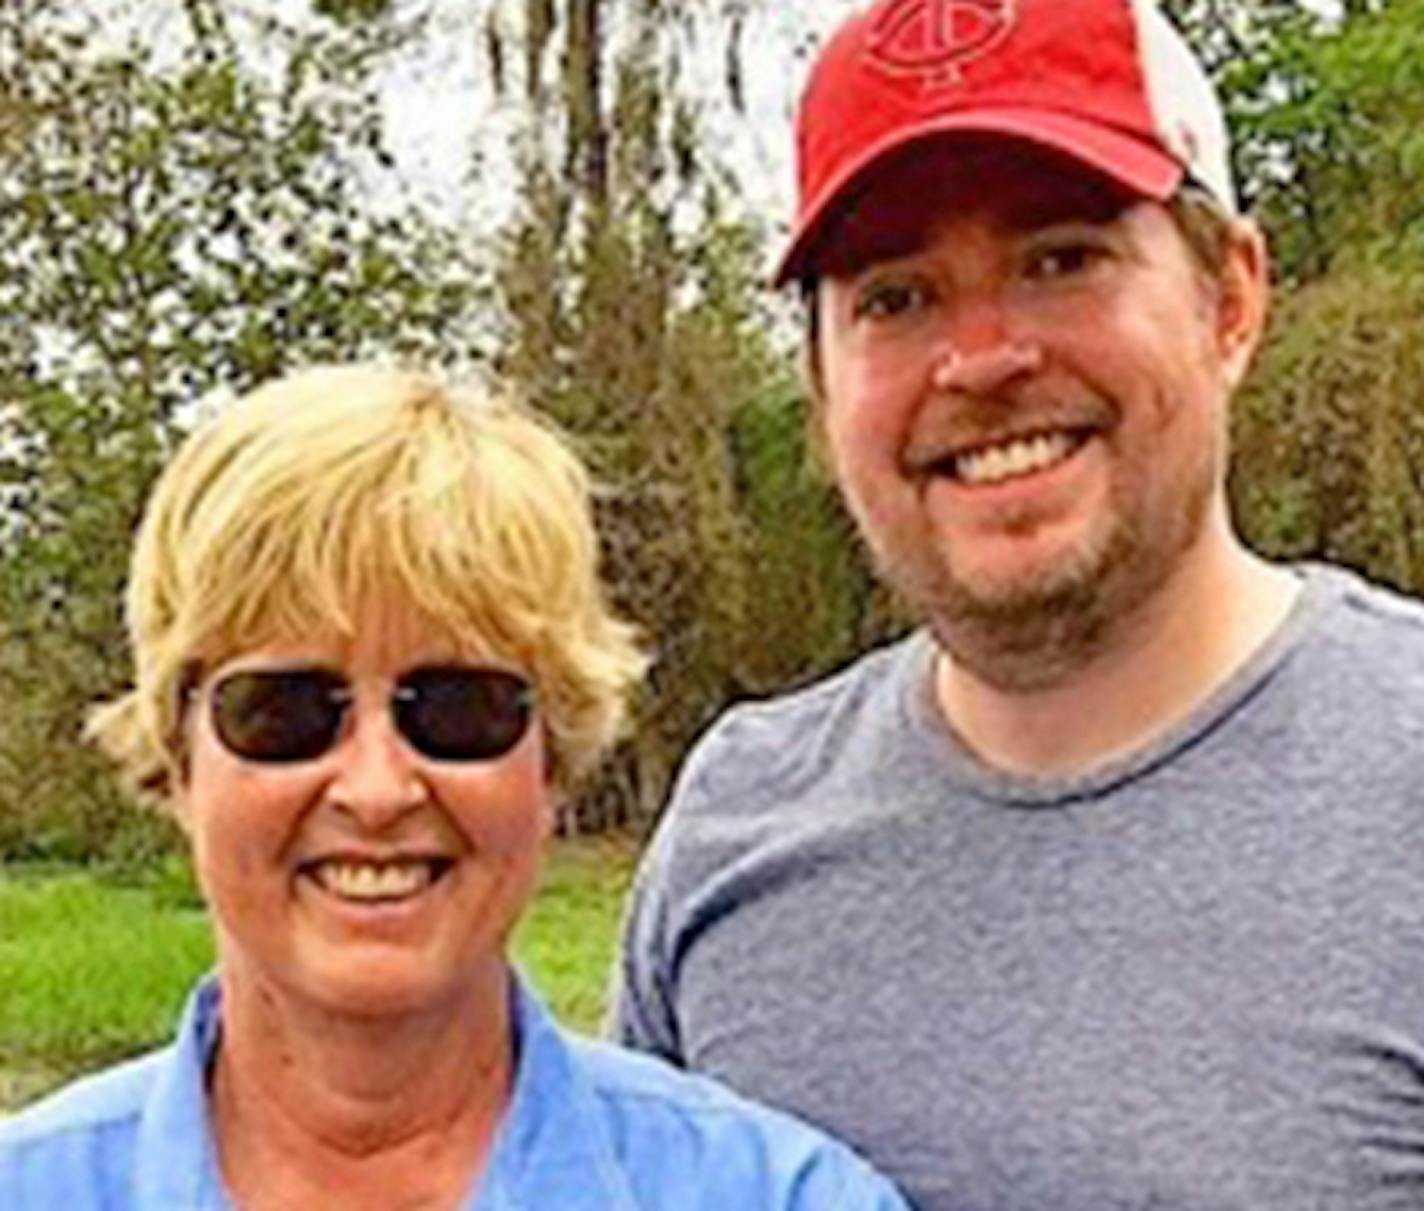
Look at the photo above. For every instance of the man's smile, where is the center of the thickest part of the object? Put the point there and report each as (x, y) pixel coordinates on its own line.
(1011, 459)
(998, 458)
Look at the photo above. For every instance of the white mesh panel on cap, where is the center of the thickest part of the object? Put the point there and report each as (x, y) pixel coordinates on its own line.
(1184, 105)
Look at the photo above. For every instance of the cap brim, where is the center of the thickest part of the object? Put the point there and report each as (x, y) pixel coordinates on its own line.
(1139, 166)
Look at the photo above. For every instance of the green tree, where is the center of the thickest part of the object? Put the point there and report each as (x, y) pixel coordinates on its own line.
(636, 310)
(167, 226)
(1327, 115)
(1329, 435)
(625, 303)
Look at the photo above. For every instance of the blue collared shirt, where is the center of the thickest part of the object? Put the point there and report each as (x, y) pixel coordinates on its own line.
(589, 1127)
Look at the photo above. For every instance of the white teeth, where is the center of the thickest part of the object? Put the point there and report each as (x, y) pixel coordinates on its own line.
(1021, 457)
(371, 881)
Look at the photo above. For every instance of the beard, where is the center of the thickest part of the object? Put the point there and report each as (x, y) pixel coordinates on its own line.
(1034, 631)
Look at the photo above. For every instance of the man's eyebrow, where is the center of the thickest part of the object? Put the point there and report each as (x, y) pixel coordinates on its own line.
(1040, 212)
(859, 243)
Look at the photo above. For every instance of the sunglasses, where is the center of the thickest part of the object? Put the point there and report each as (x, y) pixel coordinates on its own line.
(447, 712)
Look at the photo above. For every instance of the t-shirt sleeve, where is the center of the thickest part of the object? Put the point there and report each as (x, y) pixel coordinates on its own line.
(842, 1181)
(643, 1002)
(642, 1014)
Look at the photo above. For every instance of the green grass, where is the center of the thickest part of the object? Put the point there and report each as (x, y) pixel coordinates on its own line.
(566, 941)
(93, 969)
(89, 972)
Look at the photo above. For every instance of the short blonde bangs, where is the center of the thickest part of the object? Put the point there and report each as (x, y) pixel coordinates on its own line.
(323, 496)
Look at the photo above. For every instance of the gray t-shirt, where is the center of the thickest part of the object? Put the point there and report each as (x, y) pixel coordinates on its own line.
(1192, 980)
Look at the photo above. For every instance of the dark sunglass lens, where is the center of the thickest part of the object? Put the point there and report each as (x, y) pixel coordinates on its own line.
(278, 715)
(463, 714)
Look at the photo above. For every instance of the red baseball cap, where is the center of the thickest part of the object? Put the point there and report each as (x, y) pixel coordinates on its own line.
(1110, 83)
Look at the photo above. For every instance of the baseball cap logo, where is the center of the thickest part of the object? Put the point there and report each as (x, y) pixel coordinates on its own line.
(933, 39)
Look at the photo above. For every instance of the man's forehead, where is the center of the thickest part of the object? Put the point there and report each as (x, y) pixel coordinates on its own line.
(1008, 183)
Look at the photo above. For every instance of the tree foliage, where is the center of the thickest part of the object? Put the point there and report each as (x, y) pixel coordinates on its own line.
(635, 313)
(1329, 436)
(1327, 114)
(211, 207)
(206, 218)
(166, 228)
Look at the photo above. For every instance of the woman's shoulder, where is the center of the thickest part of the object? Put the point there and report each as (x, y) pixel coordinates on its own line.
(98, 1102)
(64, 1148)
(738, 1152)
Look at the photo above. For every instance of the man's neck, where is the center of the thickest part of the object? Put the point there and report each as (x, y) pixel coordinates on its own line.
(393, 1113)
(1179, 647)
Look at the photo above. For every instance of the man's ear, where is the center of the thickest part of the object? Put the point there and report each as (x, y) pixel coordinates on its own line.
(1243, 299)
(813, 379)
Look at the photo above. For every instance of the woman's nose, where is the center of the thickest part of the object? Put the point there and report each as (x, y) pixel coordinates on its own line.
(378, 777)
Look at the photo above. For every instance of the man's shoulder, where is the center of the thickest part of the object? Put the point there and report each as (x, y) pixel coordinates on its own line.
(692, 1123)
(1364, 631)
(760, 720)
(1339, 694)
(1371, 606)
(794, 736)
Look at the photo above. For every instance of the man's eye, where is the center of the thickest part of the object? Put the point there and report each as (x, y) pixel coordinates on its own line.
(1064, 260)
(887, 300)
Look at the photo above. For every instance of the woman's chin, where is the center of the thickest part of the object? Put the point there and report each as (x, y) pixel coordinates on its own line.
(367, 983)
(374, 978)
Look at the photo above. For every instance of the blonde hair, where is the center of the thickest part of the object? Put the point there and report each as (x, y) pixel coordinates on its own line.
(312, 497)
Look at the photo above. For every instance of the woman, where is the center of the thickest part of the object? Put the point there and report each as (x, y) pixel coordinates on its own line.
(371, 649)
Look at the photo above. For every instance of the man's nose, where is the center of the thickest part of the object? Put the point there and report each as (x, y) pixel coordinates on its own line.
(378, 777)
(981, 351)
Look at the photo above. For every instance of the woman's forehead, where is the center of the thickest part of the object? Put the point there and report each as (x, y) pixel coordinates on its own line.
(388, 631)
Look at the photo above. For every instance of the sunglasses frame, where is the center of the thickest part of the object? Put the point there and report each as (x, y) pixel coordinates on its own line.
(404, 702)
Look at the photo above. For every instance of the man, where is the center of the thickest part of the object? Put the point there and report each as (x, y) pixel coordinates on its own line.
(1106, 888)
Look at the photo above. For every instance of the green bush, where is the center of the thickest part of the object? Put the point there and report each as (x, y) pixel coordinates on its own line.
(1329, 435)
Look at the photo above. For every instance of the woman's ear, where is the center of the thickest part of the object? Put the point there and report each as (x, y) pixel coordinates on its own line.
(180, 749)
(177, 798)
(554, 792)
(1243, 299)
(554, 802)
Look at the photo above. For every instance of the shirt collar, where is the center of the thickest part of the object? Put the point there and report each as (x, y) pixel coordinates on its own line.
(553, 1147)
(176, 1164)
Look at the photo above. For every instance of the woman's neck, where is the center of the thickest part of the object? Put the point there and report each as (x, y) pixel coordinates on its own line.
(394, 1112)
